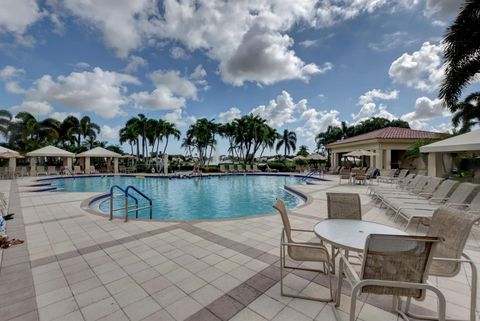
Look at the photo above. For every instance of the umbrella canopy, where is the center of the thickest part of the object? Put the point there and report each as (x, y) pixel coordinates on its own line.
(50, 151)
(360, 153)
(316, 157)
(299, 157)
(128, 156)
(469, 142)
(98, 152)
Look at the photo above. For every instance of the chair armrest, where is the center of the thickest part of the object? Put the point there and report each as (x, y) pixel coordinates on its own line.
(425, 194)
(307, 245)
(300, 230)
(438, 199)
(351, 274)
(456, 204)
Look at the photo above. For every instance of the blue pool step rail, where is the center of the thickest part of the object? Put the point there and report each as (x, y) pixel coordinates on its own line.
(312, 172)
(125, 193)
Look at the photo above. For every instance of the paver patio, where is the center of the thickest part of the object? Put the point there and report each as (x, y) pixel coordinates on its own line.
(76, 265)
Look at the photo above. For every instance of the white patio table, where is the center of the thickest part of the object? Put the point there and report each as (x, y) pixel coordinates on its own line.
(351, 235)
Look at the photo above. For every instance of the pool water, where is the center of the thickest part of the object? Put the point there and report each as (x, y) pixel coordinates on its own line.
(214, 197)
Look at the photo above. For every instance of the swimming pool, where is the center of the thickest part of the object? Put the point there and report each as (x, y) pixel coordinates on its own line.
(215, 197)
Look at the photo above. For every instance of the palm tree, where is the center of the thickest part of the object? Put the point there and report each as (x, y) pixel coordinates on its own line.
(87, 129)
(128, 135)
(169, 129)
(461, 51)
(269, 137)
(70, 130)
(27, 133)
(5, 120)
(288, 140)
(467, 112)
(303, 151)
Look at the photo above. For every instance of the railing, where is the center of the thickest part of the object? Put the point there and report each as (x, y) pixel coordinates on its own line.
(68, 171)
(127, 210)
(311, 173)
(123, 194)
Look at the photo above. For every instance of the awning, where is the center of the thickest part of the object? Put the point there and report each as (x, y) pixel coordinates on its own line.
(469, 142)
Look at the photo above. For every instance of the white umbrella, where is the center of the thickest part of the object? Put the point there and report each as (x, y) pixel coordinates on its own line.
(299, 157)
(360, 153)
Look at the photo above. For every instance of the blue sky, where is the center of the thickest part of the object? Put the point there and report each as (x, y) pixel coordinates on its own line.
(302, 65)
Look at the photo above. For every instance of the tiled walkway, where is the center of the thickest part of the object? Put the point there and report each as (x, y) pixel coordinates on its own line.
(79, 266)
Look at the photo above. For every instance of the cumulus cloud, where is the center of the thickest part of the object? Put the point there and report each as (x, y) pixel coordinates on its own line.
(98, 91)
(229, 115)
(316, 121)
(36, 108)
(82, 65)
(368, 103)
(308, 43)
(16, 16)
(109, 133)
(60, 115)
(179, 118)
(422, 69)
(9, 72)
(161, 98)
(281, 110)
(135, 63)
(14, 88)
(425, 110)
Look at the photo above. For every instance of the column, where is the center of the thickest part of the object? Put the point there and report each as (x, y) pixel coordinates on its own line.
(435, 164)
(388, 159)
(67, 163)
(379, 159)
(333, 160)
(12, 164)
(115, 165)
(87, 165)
(33, 164)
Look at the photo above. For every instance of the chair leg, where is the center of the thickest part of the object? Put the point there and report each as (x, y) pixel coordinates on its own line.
(338, 293)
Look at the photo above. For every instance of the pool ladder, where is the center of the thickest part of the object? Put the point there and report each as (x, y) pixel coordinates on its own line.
(128, 208)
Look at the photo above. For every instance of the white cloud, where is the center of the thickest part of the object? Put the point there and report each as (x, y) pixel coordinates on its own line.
(179, 118)
(229, 115)
(101, 92)
(9, 72)
(443, 7)
(14, 88)
(198, 73)
(134, 63)
(308, 43)
(60, 116)
(425, 110)
(109, 133)
(177, 84)
(316, 121)
(16, 16)
(422, 69)
(82, 65)
(392, 41)
(369, 107)
(280, 111)
(36, 108)
(160, 98)
(178, 53)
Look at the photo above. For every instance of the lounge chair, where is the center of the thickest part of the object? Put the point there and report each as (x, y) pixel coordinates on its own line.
(40, 170)
(344, 174)
(93, 170)
(474, 206)
(77, 170)
(222, 169)
(395, 265)
(426, 210)
(454, 227)
(51, 170)
(248, 168)
(409, 181)
(240, 168)
(421, 186)
(301, 251)
(387, 177)
(231, 168)
(255, 168)
(360, 177)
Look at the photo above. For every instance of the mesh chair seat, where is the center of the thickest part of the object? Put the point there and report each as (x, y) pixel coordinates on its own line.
(307, 254)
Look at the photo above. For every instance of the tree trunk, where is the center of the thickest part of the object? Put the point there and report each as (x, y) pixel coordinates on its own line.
(166, 144)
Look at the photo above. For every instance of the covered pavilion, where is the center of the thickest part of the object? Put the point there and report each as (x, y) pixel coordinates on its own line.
(50, 151)
(101, 153)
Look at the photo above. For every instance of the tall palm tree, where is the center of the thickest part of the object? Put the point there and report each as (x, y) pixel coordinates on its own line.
(170, 130)
(303, 151)
(70, 130)
(5, 120)
(288, 140)
(462, 52)
(269, 137)
(467, 112)
(87, 129)
(27, 133)
(128, 135)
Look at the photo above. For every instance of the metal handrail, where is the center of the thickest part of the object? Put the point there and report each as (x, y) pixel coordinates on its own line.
(112, 196)
(141, 194)
(310, 174)
(65, 169)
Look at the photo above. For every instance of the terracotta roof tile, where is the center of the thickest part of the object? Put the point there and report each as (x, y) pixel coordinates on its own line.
(389, 133)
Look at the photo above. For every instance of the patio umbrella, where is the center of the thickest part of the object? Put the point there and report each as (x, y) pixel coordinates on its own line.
(316, 157)
(299, 157)
(9, 154)
(361, 153)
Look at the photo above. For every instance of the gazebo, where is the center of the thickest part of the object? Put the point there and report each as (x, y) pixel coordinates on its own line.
(99, 152)
(12, 156)
(50, 151)
(469, 142)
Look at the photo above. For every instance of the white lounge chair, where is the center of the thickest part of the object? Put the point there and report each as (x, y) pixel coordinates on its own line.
(77, 170)
(51, 170)
(40, 170)
(93, 170)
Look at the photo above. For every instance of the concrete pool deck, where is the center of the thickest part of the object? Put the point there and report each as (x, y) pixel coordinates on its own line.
(79, 266)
